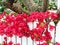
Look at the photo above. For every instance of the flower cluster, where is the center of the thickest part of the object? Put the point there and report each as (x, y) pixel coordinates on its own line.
(18, 26)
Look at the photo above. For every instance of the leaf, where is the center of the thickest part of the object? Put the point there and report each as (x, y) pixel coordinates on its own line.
(7, 11)
(1, 9)
(49, 41)
(0, 0)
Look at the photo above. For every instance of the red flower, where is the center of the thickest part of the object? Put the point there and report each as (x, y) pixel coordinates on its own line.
(42, 25)
(42, 38)
(2, 27)
(2, 15)
(36, 34)
(54, 15)
(10, 43)
(51, 27)
(17, 25)
(48, 35)
(4, 43)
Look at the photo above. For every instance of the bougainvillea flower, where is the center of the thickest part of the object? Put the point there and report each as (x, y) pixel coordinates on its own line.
(2, 15)
(51, 27)
(10, 43)
(4, 43)
(42, 25)
(48, 35)
(36, 34)
(18, 26)
(54, 15)
(2, 27)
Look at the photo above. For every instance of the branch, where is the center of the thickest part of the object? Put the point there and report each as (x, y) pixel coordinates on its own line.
(30, 4)
(16, 7)
(45, 5)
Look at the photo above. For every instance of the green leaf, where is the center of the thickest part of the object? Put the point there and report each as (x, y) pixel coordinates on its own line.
(39, 2)
(49, 41)
(0, 44)
(0, 0)
(1, 9)
(7, 11)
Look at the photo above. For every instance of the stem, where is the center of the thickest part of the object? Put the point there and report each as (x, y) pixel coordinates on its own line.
(47, 26)
(55, 36)
(21, 40)
(26, 41)
(48, 20)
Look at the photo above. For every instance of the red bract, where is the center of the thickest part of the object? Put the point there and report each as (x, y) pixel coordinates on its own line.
(36, 34)
(24, 15)
(10, 18)
(47, 13)
(26, 33)
(10, 43)
(43, 38)
(48, 35)
(51, 28)
(17, 25)
(33, 16)
(54, 15)
(2, 15)
(4, 43)
(41, 16)
(2, 27)
(42, 25)
(5, 38)
(8, 32)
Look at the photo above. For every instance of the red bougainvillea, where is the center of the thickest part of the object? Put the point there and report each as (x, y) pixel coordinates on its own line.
(18, 25)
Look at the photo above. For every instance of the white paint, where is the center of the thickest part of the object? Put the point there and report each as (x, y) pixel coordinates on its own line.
(58, 4)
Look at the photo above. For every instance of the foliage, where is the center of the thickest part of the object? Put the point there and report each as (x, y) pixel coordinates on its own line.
(11, 1)
(39, 2)
(21, 2)
(1, 6)
(52, 6)
(0, 0)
